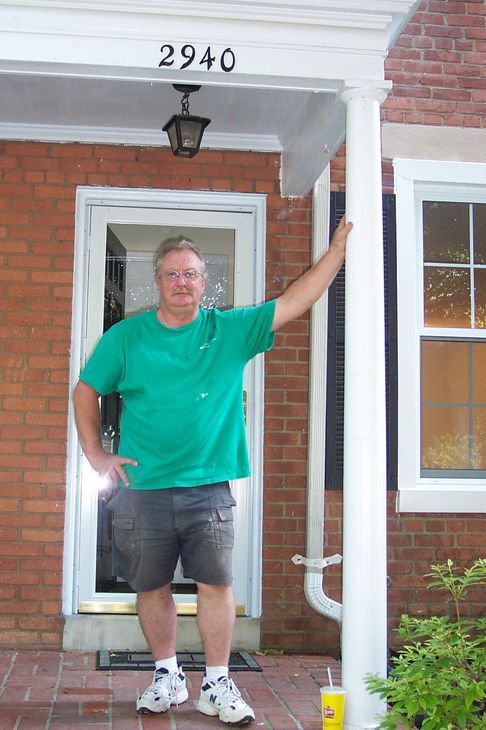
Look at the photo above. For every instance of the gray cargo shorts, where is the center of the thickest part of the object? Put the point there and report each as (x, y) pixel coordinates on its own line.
(152, 528)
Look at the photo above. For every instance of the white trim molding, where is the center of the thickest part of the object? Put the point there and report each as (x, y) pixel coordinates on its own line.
(268, 38)
(442, 181)
(138, 137)
(208, 210)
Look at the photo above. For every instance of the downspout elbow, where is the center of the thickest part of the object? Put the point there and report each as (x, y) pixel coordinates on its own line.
(318, 600)
(314, 593)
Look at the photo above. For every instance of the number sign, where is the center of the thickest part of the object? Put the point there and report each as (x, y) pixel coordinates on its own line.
(188, 55)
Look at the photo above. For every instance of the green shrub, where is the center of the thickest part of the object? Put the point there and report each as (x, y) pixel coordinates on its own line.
(439, 673)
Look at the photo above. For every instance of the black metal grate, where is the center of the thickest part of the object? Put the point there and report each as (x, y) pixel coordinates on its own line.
(240, 661)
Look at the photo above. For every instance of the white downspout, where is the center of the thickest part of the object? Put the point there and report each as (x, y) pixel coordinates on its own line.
(313, 579)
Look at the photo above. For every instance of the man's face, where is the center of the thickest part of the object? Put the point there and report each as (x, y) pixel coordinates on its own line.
(179, 289)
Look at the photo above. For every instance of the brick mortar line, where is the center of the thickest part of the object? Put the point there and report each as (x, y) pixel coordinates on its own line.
(283, 704)
(5, 680)
(55, 692)
(110, 701)
(9, 671)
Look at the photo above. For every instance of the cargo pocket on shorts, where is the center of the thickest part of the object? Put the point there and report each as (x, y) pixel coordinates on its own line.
(224, 527)
(125, 536)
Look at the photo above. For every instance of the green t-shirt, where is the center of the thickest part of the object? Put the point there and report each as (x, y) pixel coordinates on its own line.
(182, 416)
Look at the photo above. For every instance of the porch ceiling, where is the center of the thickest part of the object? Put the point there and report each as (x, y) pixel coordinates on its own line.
(88, 71)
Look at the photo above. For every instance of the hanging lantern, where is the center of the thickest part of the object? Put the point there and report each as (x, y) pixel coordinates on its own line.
(185, 131)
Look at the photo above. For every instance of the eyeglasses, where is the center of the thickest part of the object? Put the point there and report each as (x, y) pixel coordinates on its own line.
(189, 276)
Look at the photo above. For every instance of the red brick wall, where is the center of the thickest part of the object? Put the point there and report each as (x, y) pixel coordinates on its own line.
(415, 542)
(437, 69)
(437, 66)
(36, 222)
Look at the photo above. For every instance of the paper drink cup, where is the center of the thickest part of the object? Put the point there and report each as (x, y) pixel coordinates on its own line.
(332, 703)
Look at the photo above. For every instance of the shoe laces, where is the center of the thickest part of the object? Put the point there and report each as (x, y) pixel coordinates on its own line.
(228, 689)
(169, 680)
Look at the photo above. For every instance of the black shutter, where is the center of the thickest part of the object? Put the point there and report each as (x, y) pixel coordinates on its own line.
(335, 351)
(335, 363)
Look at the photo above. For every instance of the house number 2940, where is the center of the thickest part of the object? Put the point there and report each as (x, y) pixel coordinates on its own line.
(187, 55)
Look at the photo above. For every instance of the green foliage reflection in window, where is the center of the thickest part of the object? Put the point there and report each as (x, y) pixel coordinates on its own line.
(454, 244)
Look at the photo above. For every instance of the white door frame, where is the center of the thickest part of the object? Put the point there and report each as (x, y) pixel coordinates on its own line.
(86, 198)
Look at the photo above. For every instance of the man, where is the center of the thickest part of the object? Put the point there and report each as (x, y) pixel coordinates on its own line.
(179, 370)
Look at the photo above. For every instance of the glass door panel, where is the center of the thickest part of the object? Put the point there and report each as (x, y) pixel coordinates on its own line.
(130, 289)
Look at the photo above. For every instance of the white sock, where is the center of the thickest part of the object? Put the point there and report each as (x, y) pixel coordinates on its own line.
(215, 673)
(170, 664)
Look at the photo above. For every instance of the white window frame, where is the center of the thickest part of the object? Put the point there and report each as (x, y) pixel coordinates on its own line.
(448, 181)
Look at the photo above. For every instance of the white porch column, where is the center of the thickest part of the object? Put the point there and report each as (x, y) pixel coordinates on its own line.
(364, 631)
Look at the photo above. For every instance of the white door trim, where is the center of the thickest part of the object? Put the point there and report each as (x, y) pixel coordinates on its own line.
(169, 199)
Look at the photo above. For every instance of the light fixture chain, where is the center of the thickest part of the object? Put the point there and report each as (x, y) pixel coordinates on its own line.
(185, 104)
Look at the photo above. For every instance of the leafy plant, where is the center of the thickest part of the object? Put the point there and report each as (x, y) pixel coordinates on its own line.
(437, 680)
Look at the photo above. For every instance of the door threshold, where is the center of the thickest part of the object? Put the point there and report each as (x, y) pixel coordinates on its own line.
(129, 608)
(94, 632)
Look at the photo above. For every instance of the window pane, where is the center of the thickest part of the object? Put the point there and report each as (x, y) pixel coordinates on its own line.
(446, 297)
(445, 437)
(445, 372)
(446, 232)
(479, 373)
(480, 438)
(453, 405)
(480, 298)
(479, 213)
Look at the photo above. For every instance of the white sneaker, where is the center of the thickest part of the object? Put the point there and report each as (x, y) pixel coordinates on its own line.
(222, 698)
(167, 688)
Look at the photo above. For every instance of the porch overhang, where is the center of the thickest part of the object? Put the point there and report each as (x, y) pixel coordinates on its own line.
(97, 71)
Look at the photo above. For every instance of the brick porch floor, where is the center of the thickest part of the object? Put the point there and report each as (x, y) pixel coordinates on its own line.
(61, 690)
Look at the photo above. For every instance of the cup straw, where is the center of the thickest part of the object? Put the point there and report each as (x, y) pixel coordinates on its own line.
(330, 676)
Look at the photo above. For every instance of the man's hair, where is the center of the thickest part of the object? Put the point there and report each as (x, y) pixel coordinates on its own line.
(180, 243)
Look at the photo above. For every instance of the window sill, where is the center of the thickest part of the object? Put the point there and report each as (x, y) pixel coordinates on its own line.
(452, 498)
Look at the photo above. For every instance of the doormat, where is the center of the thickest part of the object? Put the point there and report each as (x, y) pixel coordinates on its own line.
(190, 661)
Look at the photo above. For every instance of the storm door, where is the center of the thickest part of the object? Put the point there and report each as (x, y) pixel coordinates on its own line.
(119, 283)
